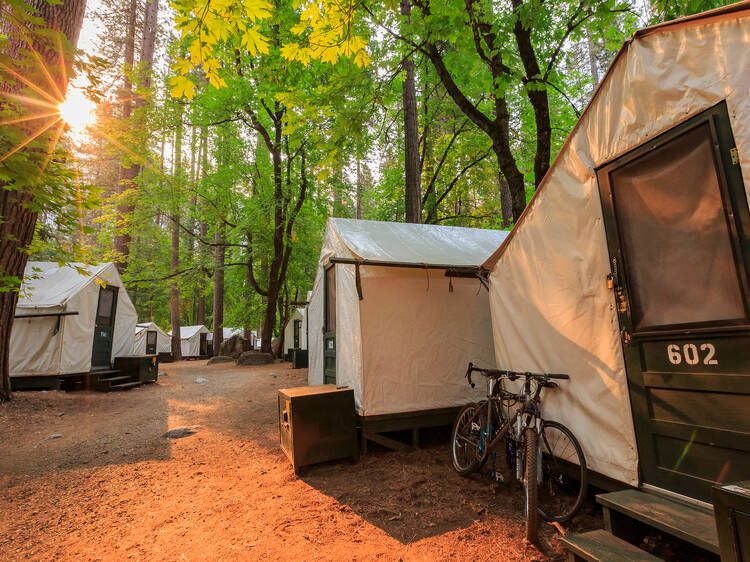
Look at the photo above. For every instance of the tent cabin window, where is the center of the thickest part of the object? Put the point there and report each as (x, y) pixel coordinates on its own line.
(150, 342)
(105, 309)
(677, 223)
(104, 328)
(680, 253)
(329, 327)
(297, 330)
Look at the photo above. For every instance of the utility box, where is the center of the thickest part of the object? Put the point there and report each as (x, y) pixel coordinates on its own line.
(317, 424)
(141, 368)
(732, 513)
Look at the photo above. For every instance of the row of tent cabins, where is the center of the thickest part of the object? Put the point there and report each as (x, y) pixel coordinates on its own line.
(72, 320)
(629, 270)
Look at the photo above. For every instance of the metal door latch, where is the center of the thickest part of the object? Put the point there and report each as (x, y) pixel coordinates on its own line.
(735, 155)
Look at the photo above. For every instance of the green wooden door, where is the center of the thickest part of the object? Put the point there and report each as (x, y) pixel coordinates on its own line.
(329, 336)
(677, 224)
(104, 328)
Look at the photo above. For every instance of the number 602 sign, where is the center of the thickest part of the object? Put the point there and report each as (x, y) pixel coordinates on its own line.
(692, 354)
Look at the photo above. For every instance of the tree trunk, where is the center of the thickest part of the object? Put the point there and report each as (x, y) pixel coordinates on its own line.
(174, 293)
(219, 255)
(359, 190)
(129, 173)
(413, 191)
(17, 219)
(203, 230)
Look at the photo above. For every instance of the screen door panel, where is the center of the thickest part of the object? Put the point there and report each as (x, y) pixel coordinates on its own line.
(675, 237)
(678, 232)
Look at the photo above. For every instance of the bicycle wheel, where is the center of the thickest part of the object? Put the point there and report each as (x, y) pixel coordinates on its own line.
(563, 486)
(467, 453)
(530, 482)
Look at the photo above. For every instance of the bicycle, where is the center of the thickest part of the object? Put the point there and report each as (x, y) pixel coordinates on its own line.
(545, 455)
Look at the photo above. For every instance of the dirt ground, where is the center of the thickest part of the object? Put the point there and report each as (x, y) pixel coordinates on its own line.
(112, 486)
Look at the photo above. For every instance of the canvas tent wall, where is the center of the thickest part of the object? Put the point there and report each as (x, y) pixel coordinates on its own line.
(190, 340)
(405, 345)
(163, 340)
(554, 308)
(295, 332)
(43, 343)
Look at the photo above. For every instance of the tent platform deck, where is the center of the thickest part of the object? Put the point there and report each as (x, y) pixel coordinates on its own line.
(105, 380)
(372, 428)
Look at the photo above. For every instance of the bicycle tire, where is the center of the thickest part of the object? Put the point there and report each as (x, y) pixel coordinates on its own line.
(473, 458)
(530, 482)
(582, 473)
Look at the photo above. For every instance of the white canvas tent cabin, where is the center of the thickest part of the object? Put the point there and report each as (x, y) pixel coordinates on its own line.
(152, 340)
(295, 332)
(386, 319)
(69, 321)
(629, 268)
(193, 341)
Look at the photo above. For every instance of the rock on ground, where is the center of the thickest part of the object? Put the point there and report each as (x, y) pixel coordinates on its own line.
(254, 358)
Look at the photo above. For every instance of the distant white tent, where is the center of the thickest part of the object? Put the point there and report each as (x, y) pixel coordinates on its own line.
(295, 333)
(146, 330)
(56, 319)
(405, 344)
(193, 340)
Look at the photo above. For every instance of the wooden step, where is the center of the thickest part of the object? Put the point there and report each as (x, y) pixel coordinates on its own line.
(602, 546)
(116, 379)
(124, 385)
(691, 524)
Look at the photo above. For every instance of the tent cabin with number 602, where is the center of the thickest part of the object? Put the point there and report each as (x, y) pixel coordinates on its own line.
(629, 269)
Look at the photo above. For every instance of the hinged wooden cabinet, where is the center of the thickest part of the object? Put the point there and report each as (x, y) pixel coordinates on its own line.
(732, 513)
(317, 424)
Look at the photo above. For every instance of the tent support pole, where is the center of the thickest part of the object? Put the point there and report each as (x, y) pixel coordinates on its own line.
(451, 270)
(358, 280)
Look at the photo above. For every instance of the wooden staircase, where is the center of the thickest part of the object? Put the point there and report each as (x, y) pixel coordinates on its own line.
(112, 379)
(628, 517)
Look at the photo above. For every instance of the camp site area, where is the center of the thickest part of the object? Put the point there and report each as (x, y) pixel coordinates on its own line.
(416, 280)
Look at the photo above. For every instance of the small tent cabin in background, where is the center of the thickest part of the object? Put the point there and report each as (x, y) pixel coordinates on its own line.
(629, 268)
(295, 332)
(69, 320)
(396, 314)
(152, 340)
(193, 341)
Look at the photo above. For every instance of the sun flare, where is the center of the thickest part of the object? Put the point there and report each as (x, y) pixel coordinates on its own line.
(77, 110)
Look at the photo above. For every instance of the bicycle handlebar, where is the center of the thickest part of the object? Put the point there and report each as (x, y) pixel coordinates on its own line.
(510, 375)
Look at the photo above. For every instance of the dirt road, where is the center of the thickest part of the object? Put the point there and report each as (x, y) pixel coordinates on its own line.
(113, 487)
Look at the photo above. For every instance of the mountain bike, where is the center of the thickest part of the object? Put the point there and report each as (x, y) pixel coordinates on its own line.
(544, 455)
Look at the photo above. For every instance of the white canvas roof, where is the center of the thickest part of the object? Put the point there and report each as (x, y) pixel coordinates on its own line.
(44, 346)
(47, 285)
(187, 332)
(417, 243)
(404, 346)
(551, 307)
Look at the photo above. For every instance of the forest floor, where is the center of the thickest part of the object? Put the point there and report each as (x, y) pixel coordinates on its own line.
(113, 486)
